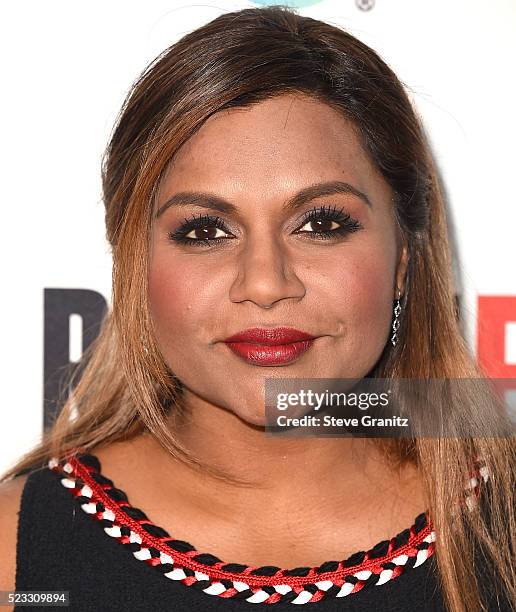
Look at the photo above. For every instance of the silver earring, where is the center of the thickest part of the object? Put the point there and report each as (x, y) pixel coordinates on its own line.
(144, 344)
(396, 322)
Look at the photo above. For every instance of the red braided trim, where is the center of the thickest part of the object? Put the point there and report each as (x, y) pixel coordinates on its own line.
(308, 586)
(185, 558)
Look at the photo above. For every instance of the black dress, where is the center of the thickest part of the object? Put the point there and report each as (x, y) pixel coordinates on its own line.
(77, 532)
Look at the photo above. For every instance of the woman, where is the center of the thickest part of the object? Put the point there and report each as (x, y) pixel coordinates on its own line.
(273, 211)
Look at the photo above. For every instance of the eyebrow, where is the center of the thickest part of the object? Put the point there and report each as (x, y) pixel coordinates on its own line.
(213, 202)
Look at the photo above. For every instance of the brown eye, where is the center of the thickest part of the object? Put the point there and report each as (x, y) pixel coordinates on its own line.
(327, 223)
(204, 230)
(204, 233)
(320, 225)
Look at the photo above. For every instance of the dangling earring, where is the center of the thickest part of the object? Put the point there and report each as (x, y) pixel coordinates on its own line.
(396, 322)
(144, 344)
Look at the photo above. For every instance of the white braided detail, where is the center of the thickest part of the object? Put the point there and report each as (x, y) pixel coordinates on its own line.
(68, 483)
(109, 515)
(216, 588)
(346, 589)
(243, 586)
(164, 558)
(302, 598)
(385, 576)
(176, 574)
(86, 491)
(421, 557)
(323, 585)
(114, 531)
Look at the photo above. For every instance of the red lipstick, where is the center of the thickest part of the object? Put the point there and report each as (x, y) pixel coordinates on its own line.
(269, 346)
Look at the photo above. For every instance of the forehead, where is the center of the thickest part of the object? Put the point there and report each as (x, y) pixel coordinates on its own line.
(285, 143)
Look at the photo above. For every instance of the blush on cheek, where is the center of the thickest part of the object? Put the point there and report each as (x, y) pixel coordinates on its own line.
(170, 301)
(374, 291)
(366, 293)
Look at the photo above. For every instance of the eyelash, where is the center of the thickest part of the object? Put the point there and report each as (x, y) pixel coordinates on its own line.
(325, 213)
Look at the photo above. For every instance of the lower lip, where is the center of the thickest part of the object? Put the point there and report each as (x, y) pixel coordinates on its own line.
(270, 355)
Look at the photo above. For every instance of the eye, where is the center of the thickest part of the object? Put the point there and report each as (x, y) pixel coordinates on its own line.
(204, 233)
(319, 225)
(326, 222)
(202, 230)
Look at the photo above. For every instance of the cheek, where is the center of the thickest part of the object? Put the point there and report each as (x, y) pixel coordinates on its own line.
(371, 309)
(361, 288)
(175, 296)
(372, 288)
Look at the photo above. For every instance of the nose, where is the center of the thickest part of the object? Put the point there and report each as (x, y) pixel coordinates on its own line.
(265, 274)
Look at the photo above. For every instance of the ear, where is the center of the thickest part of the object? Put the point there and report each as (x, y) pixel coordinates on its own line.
(401, 270)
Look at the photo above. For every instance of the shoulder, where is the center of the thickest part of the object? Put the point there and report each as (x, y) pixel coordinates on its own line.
(10, 500)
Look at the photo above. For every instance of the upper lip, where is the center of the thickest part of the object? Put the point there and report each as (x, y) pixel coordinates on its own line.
(270, 336)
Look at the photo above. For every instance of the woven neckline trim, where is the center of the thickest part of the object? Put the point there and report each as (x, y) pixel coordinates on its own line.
(178, 560)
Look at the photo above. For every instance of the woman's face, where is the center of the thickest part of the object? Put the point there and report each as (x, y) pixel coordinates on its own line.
(256, 257)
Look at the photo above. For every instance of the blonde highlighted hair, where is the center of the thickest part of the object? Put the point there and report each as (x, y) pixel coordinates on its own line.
(126, 388)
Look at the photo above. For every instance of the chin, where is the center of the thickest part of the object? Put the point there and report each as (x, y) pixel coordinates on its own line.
(256, 418)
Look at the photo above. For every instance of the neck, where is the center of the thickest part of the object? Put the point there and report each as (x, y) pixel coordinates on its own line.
(274, 466)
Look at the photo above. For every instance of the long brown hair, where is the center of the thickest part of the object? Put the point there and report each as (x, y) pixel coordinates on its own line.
(125, 387)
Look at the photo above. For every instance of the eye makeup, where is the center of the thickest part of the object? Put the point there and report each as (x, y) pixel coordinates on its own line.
(202, 230)
(328, 216)
(206, 228)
